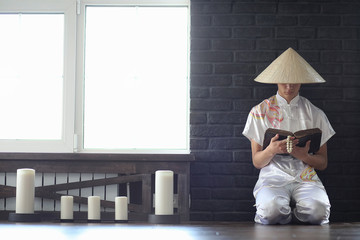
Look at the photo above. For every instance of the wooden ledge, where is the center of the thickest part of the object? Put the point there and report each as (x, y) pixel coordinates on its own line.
(97, 157)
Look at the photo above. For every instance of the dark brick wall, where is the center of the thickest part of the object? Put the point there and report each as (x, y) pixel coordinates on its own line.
(231, 43)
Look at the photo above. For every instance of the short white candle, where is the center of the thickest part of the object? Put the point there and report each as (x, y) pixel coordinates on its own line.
(164, 192)
(67, 205)
(94, 208)
(121, 208)
(25, 190)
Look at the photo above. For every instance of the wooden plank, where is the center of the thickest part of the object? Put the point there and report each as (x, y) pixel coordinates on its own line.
(48, 204)
(111, 191)
(85, 190)
(99, 190)
(11, 182)
(74, 177)
(67, 166)
(7, 191)
(183, 197)
(146, 194)
(97, 156)
(60, 178)
(91, 183)
(2, 183)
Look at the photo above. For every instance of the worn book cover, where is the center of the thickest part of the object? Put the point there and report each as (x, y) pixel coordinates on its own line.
(313, 134)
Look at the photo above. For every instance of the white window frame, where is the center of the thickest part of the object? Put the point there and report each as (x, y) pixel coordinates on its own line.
(73, 10)
(68, 8)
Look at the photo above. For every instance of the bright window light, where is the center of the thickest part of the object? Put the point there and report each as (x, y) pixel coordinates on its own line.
(31, 76)
(136, 78)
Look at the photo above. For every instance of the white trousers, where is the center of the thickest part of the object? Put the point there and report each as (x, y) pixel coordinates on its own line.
(311, 204)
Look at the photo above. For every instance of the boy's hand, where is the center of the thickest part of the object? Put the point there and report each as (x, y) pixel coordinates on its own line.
(301, 152)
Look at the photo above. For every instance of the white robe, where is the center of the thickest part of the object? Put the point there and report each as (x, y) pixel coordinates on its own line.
(300, 114)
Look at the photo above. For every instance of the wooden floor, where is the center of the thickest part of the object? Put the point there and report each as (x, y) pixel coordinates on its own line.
(183, 231)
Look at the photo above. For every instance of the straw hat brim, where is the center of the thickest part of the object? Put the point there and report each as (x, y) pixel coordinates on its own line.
(290, 68)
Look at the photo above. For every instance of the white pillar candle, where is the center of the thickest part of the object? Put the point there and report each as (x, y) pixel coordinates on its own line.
(67, 205)
(94, 208)
(121, 208)
(164, 192)
(25, 190)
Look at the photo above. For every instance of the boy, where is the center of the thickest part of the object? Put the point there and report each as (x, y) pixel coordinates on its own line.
(286, 177)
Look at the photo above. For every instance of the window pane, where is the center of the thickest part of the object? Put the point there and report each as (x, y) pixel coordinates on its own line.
(136, 78)
(31, 76)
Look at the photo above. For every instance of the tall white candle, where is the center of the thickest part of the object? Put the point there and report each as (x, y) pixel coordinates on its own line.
(94, 208)
(67, 205)
(121, 208)
(25, 190)
(164, 192)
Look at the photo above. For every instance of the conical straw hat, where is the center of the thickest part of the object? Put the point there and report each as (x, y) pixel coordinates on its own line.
(291, 68)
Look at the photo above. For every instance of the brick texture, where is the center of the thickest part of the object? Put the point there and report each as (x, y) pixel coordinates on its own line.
(231, 43)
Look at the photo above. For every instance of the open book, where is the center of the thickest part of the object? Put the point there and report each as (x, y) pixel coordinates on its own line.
(313, 134)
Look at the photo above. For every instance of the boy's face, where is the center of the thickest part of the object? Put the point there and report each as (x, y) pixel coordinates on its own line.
(288, 91)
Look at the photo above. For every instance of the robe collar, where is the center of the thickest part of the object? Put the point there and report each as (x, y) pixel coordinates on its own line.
(282, 101)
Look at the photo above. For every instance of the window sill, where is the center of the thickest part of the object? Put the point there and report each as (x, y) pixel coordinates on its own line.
(98, 156)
